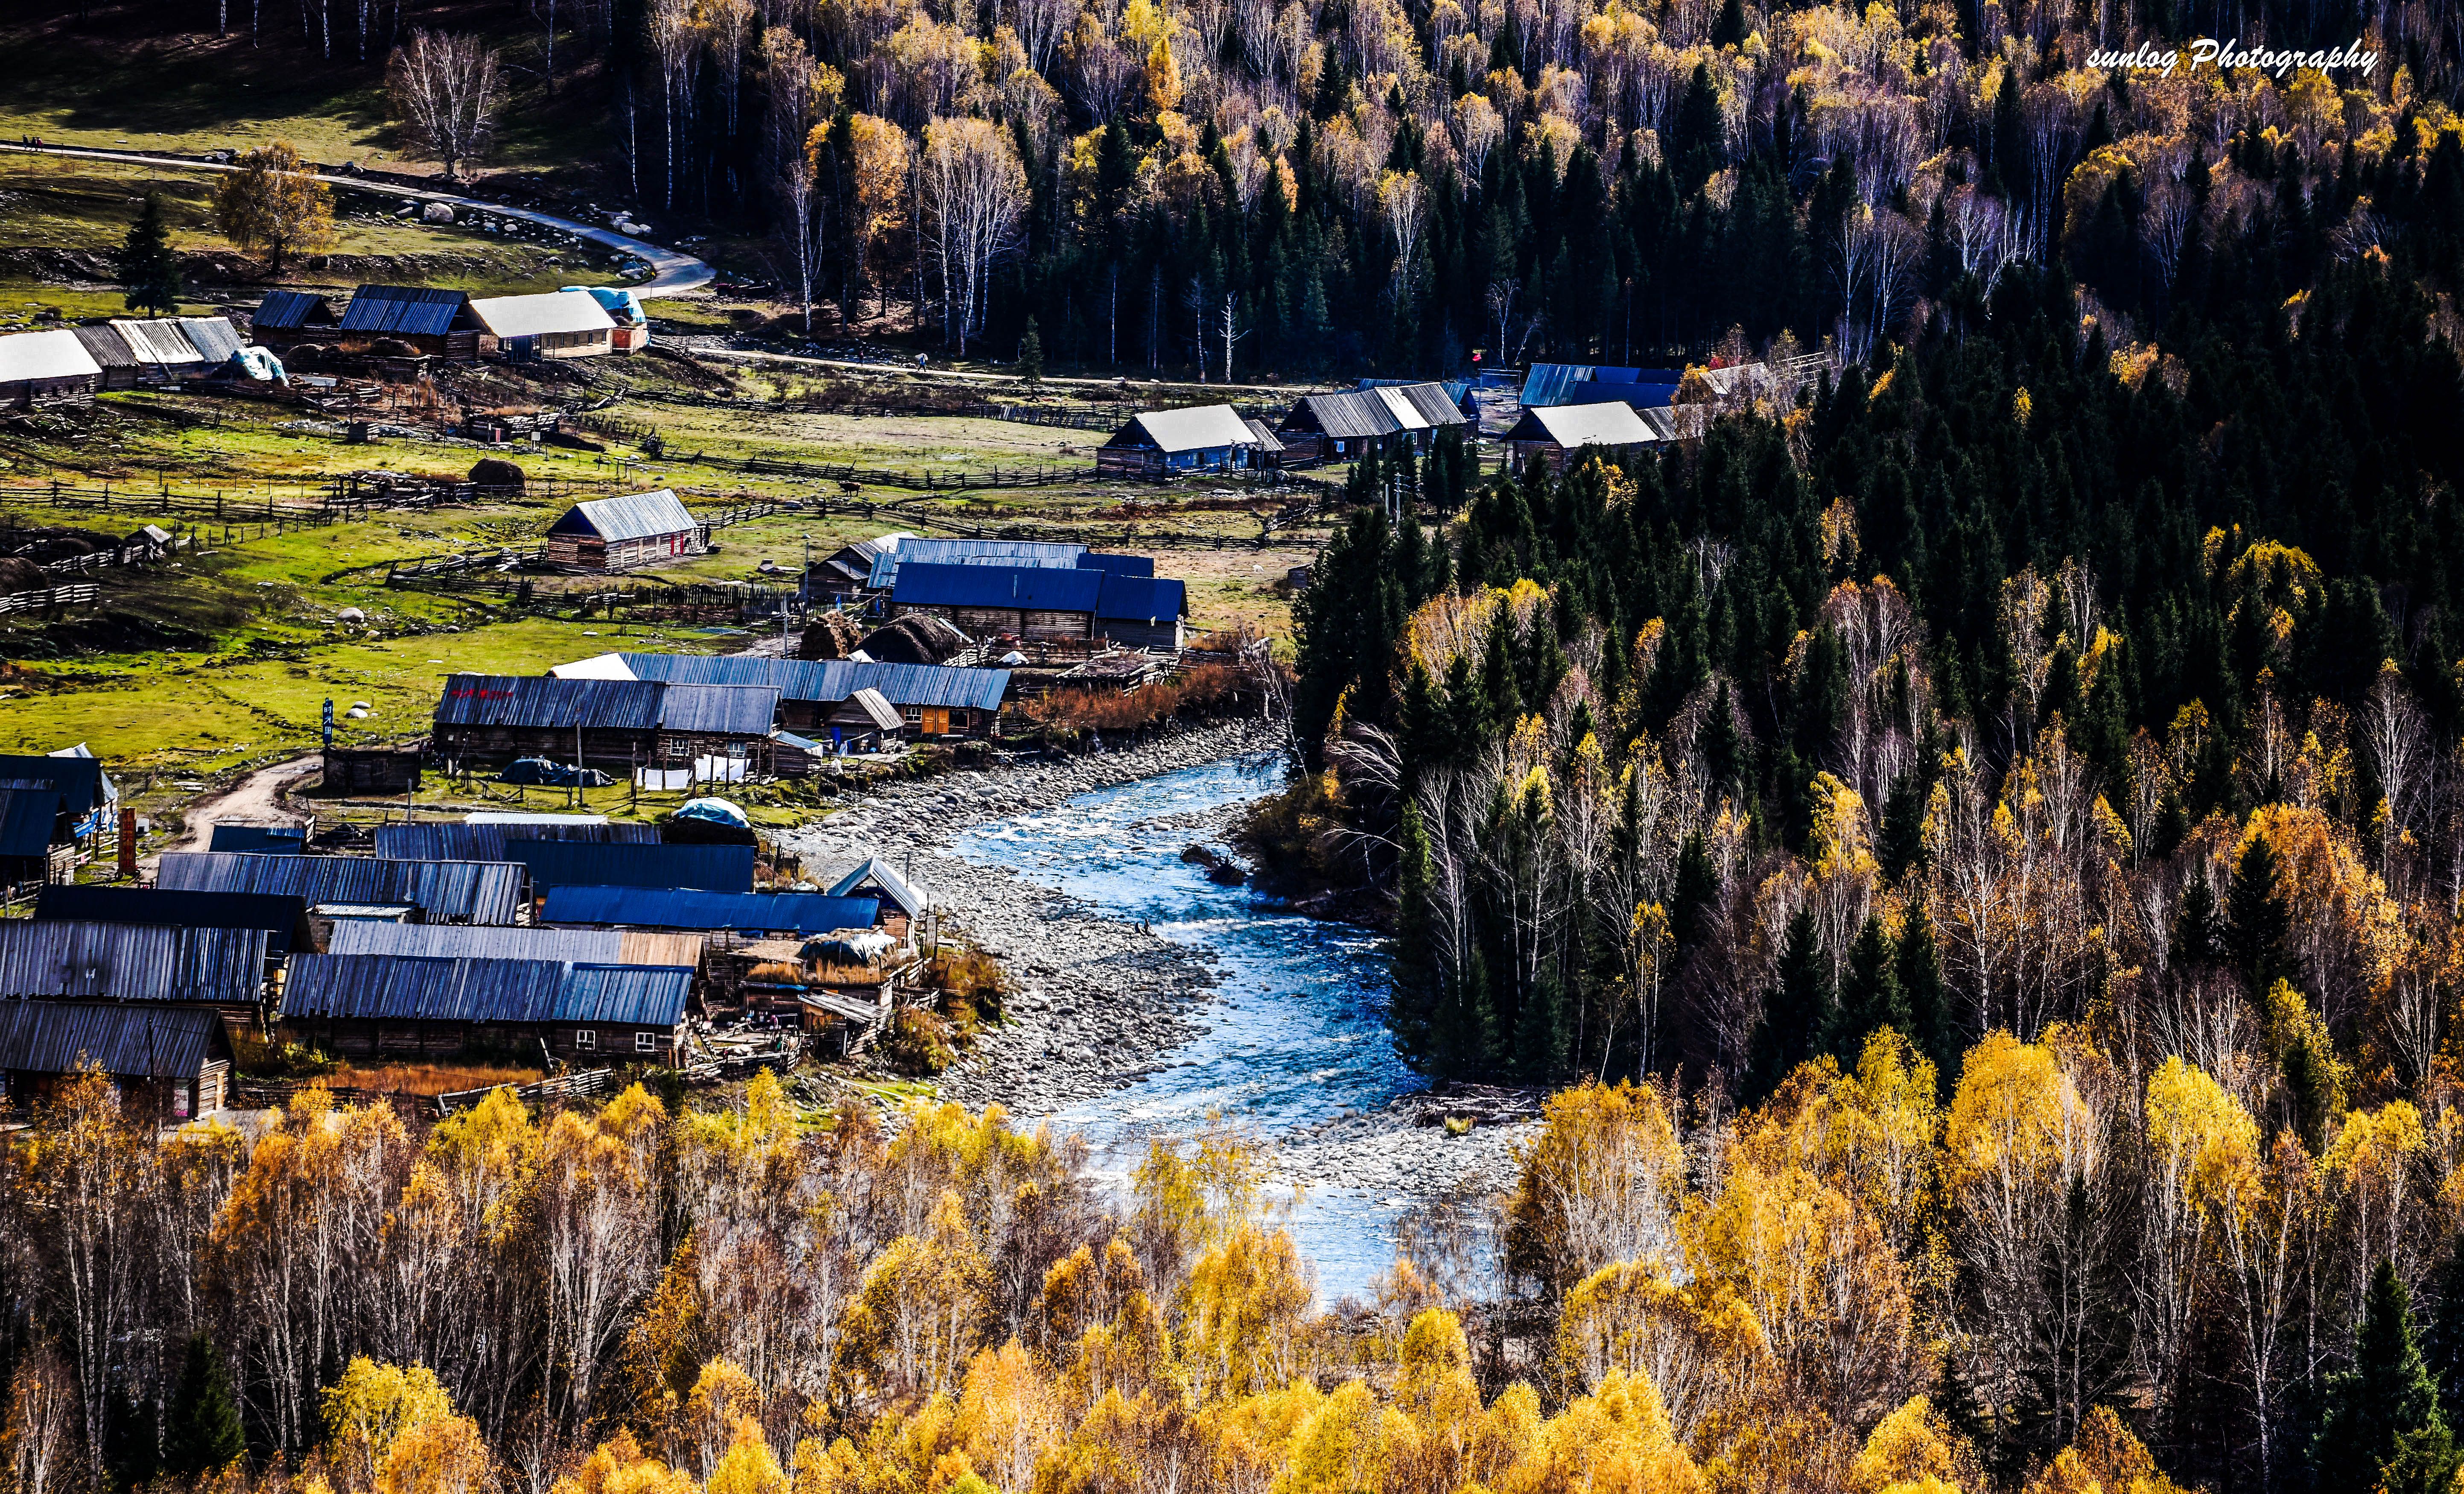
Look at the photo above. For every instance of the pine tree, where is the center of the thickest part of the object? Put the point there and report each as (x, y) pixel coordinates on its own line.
(1729, 31)
(1465, 1036)
(1902, 838)
(1030, 354)
(2442, 1340)
(1695, 898)
(129, 1447)
(1917, 965)
(149, 269)
(2256, 919)
(1870, 997)
(1413, 965)
(1540, 1033)
(1796, 1014)
(202, 1434)
(2380, 1426)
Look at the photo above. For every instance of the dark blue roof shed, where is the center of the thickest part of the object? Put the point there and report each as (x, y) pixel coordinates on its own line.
(290, 310)
(283, 918)
(125, 1042)
(1034, 588)
(438, 988)
(444, 840)
(543, 703)
(1142, 599)
(710, 868)
(28, 819)
(1117, 564)
(79, 781)
(749, 913)
(408, 310)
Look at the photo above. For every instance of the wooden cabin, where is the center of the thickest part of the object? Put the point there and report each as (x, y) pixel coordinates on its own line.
(45, 368)
(169, 1064)
(425, 319)
(1559, 434)
(552, 324)
(618, 534)
(412, 1007)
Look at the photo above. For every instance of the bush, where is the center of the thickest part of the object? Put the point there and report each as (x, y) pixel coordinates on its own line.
(1210, 689)
(970, 979)
(918, 1045)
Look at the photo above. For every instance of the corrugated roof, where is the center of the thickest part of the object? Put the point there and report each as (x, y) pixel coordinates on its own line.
(876, 709)
(444, 892)
(873, 872)
(289, 309)
(1438, 406)
(81, 960)
(1199, 428)
(1573, 426)
(1345, 416)
(537, 702)
(1116, 564)
(259, 837)
(215, 336)
(29, 818)
(403, 310)
(633, 515)
(719, 710)
(158, 339)
(715, 868)
(588, 945)
(106, 347)
(1142, 599)
(420, 988)
(649, 908)
(1265, 436)
(80, 781)
(968, 552)
(283, 918)
(547, 313)
(125, 1042)
(828, 682)
(1038, 588)
(446, 841)
(45, 355)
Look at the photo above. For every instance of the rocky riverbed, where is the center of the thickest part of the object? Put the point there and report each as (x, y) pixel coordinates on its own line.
(1115, 1029)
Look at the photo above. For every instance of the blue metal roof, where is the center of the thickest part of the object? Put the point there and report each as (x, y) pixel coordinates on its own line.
(283, 918)
(1037, 588)
(644, 908)
(1142, 599)
(404, 310)
(887, 563)
(1562, 384)
(538, 702)
(79, 781)
(288, 309)
(1117, 564)
(28, 817)
(259, 837)
(486, 842)
(712, 868)
(828, 682)
(434, 988)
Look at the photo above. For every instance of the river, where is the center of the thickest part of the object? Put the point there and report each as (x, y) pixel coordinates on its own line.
(1296, 1033)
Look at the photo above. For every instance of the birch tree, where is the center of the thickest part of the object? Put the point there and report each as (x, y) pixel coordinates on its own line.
(446, 89)
(974, 193)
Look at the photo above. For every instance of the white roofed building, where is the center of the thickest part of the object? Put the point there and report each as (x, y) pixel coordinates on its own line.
(551, 324)
(1199, 438)
(1557, 434)
(45, 368)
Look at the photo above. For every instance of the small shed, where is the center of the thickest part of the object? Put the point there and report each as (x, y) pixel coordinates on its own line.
(286, 318)
(45, 368)
(384, 771)
(169, 1064)
(902, 905)
(1198, 438)
(1339, 427)
(1142, 612)
(122, 367)
(1556, 433)
(620, 533)
(840, 576)
(551, 324)
(427, 320)
(161, 344)
(214, 338)
(865, 721)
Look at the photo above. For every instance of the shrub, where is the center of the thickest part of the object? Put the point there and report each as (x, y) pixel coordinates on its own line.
(918, 1045)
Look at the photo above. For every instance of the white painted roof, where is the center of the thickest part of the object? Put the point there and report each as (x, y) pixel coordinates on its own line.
(44, 355)
(604, 666)
(1612, 424)
(546, 313)
(1407, 415)
(158, 339)
(1200, 428)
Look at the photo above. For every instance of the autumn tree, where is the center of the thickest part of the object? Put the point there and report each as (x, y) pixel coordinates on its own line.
(272, 203)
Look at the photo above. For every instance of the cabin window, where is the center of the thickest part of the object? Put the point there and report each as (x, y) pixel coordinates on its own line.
(646, 1043)
(586, 1039)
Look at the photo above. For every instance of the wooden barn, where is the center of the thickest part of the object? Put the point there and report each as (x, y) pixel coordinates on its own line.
(414, 1006)
(122, 367)
(45, 368)
(1334, 428)
(1559, 433)
(494, 719)
(728, 724)
(170, 1065)
(286, 319)
(551, 324)
(434, 322)
(1045, 603)
(1200, 438)
(618, 534)
(934, 699)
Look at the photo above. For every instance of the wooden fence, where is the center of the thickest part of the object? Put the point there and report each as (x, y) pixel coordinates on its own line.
(81, 594)
(581, 1082)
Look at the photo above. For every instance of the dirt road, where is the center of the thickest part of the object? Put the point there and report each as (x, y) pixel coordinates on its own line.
(259, 799)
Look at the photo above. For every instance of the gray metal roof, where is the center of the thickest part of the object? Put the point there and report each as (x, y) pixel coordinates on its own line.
(874, 706)
(1382, 412)
(127, 1042)
(444, 892)
(486, 842)
(1264, 435)
(968, 552)
(540, 702)
(666, 907)
(26, 356)
(106, 347)
(713, 868)
(1573, 426)
(719, 710)
(403, 310)
(215, 336)
(632, 516)
(875, 873)
(578, 946)
(417, 988)
(828, 682)
(1199, 428)
(545, 313)
(80, 961)
(284, 919)
(291, 309)
(158, 339)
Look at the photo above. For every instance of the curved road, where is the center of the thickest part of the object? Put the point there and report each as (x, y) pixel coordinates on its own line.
(673, 272)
